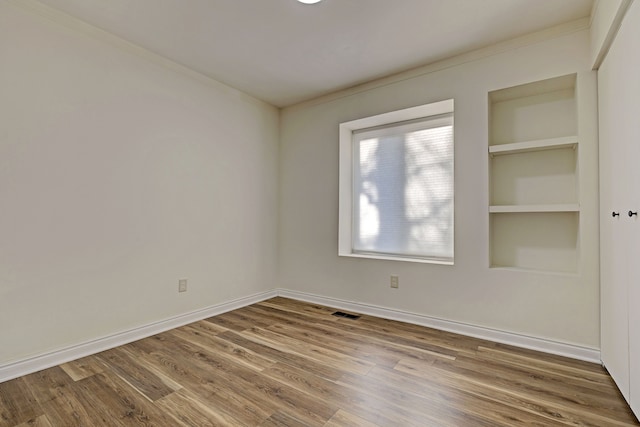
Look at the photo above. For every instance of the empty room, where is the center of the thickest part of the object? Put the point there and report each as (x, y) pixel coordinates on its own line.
(319, 213)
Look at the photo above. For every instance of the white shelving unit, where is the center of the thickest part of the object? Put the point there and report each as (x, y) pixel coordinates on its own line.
(533, 164)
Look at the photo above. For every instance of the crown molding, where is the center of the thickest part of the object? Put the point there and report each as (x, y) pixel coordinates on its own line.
(474, 55)
(612, 32)
(69, 21)
(73, 23)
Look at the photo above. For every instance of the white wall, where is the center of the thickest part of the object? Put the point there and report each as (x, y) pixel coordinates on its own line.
(119, 176)
(561, 308)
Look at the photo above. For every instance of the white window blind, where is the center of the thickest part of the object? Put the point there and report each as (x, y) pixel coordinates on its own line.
(402, 194)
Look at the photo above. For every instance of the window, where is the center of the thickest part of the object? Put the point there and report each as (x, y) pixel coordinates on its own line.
(396, 185)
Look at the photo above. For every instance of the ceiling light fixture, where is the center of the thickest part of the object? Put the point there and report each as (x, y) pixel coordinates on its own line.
(309, 1)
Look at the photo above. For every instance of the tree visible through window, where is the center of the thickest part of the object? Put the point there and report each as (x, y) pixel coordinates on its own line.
(402, 190)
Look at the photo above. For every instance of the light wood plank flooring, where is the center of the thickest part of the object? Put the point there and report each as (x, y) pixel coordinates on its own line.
(288, 363)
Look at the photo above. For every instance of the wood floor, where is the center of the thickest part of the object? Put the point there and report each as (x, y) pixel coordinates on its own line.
(287, 363)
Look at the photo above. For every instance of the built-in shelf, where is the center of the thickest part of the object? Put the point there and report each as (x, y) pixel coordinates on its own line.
(543, 177)
(534, 202)
(570, 207)
(537, 145)
(531, 270)
(542, 241)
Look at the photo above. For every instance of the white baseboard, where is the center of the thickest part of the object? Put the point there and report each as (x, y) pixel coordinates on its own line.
(518, 340)
(53, 358)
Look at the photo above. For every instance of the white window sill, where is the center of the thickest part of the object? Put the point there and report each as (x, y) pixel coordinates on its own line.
(397, 258)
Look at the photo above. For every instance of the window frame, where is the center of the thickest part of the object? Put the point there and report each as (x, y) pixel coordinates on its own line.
(346, 154)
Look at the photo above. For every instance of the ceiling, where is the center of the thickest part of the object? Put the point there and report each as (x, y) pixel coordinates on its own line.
(284, 52)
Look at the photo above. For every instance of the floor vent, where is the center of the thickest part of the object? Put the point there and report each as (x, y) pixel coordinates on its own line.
(347, 315)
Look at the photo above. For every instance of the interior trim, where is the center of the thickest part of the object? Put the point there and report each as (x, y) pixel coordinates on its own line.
(612, 33)
(66, 354)
(518, 340)
(47, 12)
(69, 21)
(454, 61)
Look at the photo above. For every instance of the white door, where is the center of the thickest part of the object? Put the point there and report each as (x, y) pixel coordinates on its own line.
(614, 313)
(619, 109)
(629, 36)
(633, 240)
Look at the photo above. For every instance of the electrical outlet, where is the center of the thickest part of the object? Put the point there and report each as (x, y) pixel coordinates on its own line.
(395, 281)
(182, 285)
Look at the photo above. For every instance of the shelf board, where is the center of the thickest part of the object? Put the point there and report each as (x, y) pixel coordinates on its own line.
(537, 145)
(570, 207)
(532, 270)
